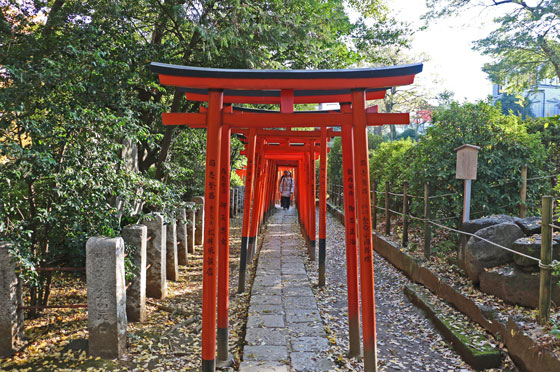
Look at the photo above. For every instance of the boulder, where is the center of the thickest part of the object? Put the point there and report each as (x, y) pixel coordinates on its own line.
(531, 246)
(473, 226)
(480, 254)
(515, 286)
(529, 225)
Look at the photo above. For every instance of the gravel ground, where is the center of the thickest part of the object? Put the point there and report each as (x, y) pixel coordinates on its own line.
(407, 340)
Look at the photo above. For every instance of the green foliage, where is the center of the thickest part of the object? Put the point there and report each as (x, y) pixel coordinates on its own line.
(408, 134)
(505, 147)
(506, 142)
(549, 130)
(334, 162)
(388, 163)
(516, 105)
(235, 180)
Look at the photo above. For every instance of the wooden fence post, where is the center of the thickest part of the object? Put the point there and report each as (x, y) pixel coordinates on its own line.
(523, 192)
(427, 226)
(374, 205)
(546, 259)
(405, 215)
(387, 213)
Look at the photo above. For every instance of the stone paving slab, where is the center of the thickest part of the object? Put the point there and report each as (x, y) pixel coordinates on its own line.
(266, 309)
(307, 343)
(266, 352)
(285, 332)
(264, 336)
(260, 366)
(309, 362)
(270, 291)
(265, 320)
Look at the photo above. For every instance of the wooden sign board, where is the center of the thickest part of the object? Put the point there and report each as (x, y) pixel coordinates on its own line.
(467, 162)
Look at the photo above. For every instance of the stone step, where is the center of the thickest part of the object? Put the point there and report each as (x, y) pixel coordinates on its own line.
(470, 341)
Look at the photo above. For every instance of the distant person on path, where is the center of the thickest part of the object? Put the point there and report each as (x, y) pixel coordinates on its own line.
(286, 189)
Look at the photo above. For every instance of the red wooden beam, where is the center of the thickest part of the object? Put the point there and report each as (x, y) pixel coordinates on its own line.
(280, 120)
(197, 97)
(269, 84)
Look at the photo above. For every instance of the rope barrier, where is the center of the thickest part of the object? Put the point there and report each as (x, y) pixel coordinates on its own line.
(503, 183)
(395, 194)
(395, 212)
(554, 226)
(416, 196)
(446, 218)
(551, 266)
(540, 178)
(441, 196)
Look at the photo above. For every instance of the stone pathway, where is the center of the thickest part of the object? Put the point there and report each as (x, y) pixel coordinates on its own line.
(284, 329)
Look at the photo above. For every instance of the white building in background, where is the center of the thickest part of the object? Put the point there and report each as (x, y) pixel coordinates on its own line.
(545, 99)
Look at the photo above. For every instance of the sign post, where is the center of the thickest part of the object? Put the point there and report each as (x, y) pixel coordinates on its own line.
(467, 163)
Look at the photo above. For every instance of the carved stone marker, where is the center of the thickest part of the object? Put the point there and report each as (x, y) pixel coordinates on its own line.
(136, 236)
(232, 202)
(241, 198)
(171, 259)
(156, 277)
(199, 220)
(190, 226)
(106, 297)
(182, 236)
(11, 319)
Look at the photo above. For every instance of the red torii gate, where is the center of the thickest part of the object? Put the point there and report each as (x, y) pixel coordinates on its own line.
(287, 87)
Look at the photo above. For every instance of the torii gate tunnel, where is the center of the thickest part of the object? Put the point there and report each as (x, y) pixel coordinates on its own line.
(272, 145)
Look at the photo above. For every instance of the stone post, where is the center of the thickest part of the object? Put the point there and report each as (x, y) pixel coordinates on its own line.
(156, 284)
(232, 195)
(171, 259)
(11, 318)
(182, 236)
(190, 226)
(241, 198)
(199, 232)
(136, 235)
(106, 297)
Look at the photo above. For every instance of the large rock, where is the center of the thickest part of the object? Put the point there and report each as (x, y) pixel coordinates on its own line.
(531, 246)
(480, 254)
(473, 226)
(529, 225)
(515, 286)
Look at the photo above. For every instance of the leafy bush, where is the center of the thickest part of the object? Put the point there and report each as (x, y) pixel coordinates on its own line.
(505, 144)
(388, 162)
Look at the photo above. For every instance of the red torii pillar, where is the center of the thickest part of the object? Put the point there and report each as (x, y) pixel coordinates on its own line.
(211, 226)
(311, 204)
(351, 236)
(256, 202)
(251, 148)
(323, 207)
(223, 255)
(361, 168)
